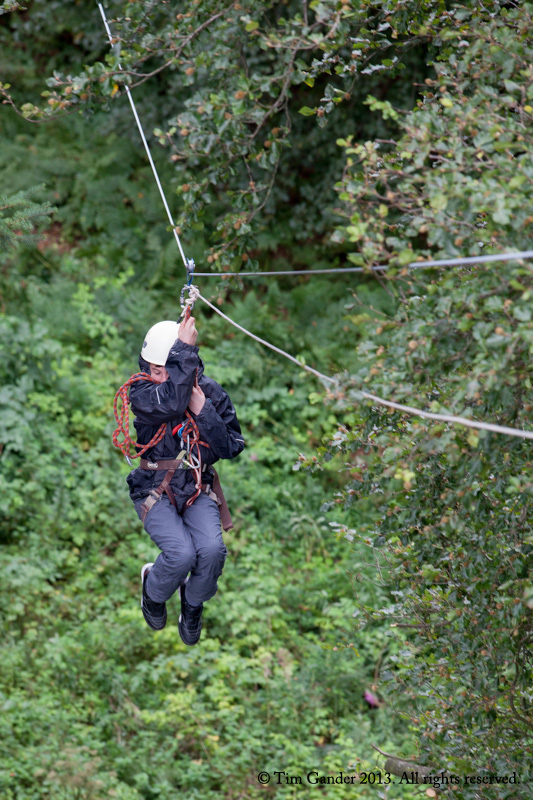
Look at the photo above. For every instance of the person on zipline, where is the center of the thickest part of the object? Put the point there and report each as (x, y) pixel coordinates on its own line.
(172, 490)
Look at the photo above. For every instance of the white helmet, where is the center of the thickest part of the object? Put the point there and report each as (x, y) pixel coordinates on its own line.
(158, 341)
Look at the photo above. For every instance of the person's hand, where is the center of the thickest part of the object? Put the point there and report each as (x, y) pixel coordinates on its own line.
(187, 332)
(196, 403)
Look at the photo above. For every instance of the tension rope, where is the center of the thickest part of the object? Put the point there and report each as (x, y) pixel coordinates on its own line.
(194, 294)
(451, 418)
(145, 143)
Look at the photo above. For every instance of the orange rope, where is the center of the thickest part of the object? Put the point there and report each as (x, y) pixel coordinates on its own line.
(122, 420)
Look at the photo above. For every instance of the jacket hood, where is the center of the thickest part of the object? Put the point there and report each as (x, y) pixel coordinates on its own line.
(145, 366)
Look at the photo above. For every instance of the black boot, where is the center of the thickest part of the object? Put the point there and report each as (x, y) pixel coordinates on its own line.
(190, 621)
(154, 613)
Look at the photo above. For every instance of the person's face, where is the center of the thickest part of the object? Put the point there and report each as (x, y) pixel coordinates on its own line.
(159, 374)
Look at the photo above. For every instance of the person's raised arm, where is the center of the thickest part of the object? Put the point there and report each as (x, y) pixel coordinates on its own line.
(154, 403)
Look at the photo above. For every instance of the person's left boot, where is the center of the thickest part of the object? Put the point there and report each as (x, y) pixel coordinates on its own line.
(154, 613)
(190, 621)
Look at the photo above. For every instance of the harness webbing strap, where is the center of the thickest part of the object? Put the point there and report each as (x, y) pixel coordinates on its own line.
(225, 516)
(156, 494)
(214, 491)
(163, 463)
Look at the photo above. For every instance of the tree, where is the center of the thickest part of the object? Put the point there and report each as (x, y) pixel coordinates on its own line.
(447, 511)
(19, 216)
(248, 99)
(325, 96)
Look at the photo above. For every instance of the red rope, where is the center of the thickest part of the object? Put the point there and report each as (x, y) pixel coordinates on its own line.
(122, 420)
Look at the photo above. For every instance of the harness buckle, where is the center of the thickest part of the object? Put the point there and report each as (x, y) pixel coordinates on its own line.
(152, 465)
(149, 502)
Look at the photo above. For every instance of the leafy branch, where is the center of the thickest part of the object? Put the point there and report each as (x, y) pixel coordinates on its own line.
(20, 215)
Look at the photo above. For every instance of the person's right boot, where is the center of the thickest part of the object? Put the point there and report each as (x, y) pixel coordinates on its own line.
(190, 621)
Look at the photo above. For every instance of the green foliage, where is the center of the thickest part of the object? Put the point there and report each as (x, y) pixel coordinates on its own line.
(457, 179)
(136, 715)
(444, 511)
(239, 147)
(294, 136)
(19, 215)
(10, 5)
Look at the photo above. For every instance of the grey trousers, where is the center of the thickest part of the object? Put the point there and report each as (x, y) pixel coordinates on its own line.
(190, 542)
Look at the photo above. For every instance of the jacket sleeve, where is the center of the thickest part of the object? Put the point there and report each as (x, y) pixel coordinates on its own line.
(219, 427)
(154, 403)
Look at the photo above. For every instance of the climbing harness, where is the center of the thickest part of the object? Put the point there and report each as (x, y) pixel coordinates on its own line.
(157, 493)
(189, 457)
(171, 465)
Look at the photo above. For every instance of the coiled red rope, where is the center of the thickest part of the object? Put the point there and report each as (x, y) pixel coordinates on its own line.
(122, 419)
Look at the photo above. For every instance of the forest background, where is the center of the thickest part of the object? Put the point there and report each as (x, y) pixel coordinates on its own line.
(373, 551)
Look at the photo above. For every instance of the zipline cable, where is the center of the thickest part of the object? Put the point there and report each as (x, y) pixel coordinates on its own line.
(195, 293)
(145, 143)
(442, 262)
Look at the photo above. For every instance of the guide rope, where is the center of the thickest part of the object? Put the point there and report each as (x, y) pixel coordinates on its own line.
(451, 418)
